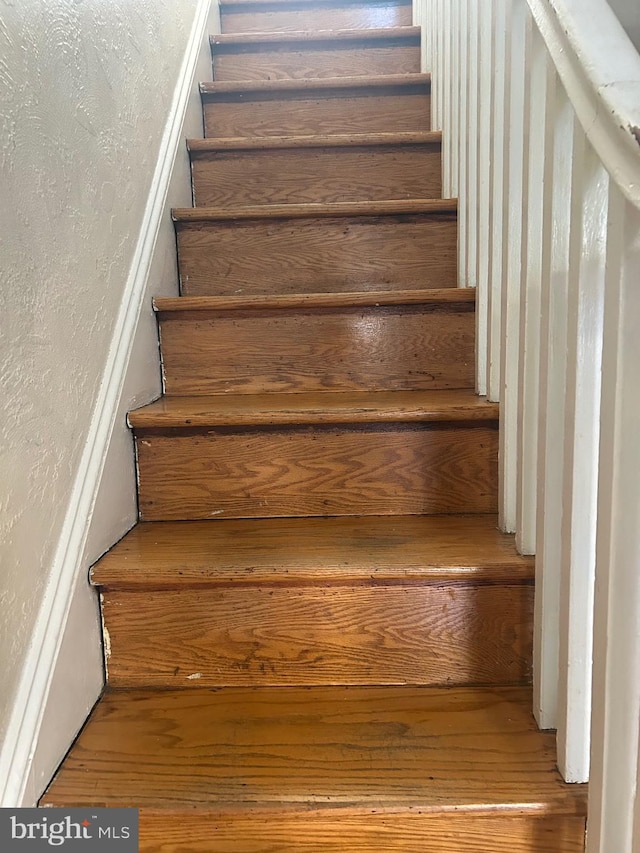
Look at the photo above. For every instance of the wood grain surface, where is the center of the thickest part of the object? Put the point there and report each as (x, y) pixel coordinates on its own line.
(275, 88)
(313, 408)
(402, 35)
(347, 831)
(421, 633)
(333, 349)
(307, 111)
(335, 140)
(444, 298)
(311, 255)
(266, 16)
(299, 60)
(295, 551)
(431, 750)
(362, 209)
(323, 174)
(360, 470)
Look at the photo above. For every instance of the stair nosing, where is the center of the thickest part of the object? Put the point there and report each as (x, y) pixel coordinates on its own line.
(315, 36)
(230, 87)
(511, 569)
(283, 809)
(415, 576)
(253, 143)
(374, 299)
(326, 407)
(394, 207)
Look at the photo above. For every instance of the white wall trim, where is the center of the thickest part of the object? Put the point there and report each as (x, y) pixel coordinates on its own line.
(35, 683)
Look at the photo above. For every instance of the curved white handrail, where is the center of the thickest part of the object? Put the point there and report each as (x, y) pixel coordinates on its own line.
(600, 69)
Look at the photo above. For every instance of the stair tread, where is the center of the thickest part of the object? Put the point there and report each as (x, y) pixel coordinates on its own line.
(313, 550)
(313, 407)
(315, 83)
(338, 140)
(394, 207)
(372, 34)
(436, 750)
(436, 296)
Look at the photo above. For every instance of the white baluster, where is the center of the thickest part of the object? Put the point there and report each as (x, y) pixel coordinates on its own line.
(471, 145)
(614, 807)
(439, 67)
(511, 265)
(553, 355)
(454, 83)
(462, 131)
(484, 143)
(498, 135)
(536, 240)
(447, 97)
(427, 52)
(582, 426)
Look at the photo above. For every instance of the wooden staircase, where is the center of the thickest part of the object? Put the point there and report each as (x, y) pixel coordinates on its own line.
(315, 638)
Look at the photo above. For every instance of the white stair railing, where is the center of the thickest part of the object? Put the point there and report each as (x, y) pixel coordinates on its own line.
(539, 101)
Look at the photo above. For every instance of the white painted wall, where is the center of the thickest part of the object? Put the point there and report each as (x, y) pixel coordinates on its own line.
(628, 12)
(97, 97)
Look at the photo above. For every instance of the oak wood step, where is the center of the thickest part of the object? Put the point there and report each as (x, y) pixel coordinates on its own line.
(357, 167)
(368, 104)
(312, 408)
(405, 769)
(318, 830)
(452, 297)
(307, 551)
(239, 16)
(264, 471)
(329, 53)
(421, 633)
(317, 601)
(298, 248)
(390, 341)
(390, 207)
(370, 34)
(334, 140)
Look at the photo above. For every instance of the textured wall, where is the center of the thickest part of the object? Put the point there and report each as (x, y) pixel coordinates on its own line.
(85, 87)
(628, 11)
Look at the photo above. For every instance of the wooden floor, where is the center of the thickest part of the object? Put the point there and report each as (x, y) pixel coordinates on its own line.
(316, 640)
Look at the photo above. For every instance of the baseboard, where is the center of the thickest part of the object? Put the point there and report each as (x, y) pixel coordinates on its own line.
(62, 675)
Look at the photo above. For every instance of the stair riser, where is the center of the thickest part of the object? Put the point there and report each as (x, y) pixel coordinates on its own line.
(316, 471)
(323, 111)
(310, 831)
(265, 18)
(294, 62)
(358, 349)
(317, 175)
(430, 635)
(317, 255)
